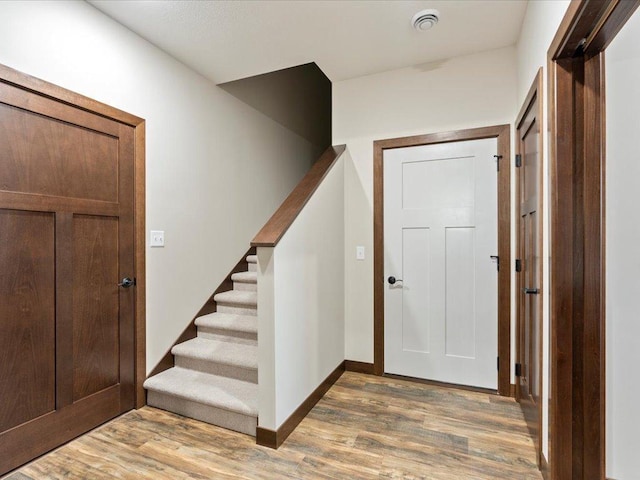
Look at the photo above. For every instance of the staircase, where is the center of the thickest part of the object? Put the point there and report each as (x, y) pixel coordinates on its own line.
(215, 377)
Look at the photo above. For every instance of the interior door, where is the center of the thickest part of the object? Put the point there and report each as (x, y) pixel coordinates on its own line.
(529, 305)
(66, 236)
(440, 233)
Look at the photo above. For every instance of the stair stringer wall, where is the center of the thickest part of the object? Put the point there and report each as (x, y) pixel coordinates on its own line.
(209, 306)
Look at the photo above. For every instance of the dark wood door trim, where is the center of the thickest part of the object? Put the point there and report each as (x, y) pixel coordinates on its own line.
(577, 187)
(502, 134)
(47, 90)
(535, 93)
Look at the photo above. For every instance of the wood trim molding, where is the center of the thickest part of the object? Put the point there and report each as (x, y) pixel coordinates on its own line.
(577, 187)
(24, 81)
(14, 77)
(502, 133)
(191, 331)
(281, 220)
(544, 468)
(273, 439)
(359, 367)
(140, 339)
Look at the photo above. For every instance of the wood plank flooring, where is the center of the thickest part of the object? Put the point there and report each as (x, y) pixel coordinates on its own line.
(365, 427)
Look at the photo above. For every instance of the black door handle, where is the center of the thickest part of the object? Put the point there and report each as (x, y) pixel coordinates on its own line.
(393, 280)
(127, 282)
(531, 291)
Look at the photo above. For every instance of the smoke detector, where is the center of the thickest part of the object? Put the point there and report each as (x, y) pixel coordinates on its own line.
(425, 19)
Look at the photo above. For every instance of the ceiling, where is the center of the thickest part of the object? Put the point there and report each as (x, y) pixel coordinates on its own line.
(227, 40)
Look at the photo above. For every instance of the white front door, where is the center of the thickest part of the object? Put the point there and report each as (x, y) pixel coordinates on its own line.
(440, 231)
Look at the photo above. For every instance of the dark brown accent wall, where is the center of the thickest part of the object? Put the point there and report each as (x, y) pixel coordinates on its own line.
(298, 98)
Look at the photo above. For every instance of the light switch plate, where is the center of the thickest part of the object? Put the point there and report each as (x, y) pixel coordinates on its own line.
(156, 238)
(359, 252)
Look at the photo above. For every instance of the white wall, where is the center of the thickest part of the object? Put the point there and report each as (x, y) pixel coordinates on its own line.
(301, 303)
(216, 169)
(465, 92)
(622, 253)
(538, 29)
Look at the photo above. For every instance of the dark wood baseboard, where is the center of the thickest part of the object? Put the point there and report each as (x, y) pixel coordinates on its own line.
(441, 384)
(191, 331)
(273, 439)
(512, 391)
(544, 468)
(359, 367)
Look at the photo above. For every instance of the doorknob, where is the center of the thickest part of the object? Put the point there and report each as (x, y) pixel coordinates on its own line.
(393, 280)
(127, 282)
(531, 291)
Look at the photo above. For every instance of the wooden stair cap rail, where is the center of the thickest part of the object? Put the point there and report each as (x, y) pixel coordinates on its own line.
(279, 223)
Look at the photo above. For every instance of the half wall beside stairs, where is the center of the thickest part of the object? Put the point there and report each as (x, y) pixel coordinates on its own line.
(301, 296)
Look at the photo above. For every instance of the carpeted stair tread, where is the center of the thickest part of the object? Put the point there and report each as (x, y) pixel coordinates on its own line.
(252, 259)
(220, 392)
(227, 353)
(245, 277)
(229, 321)
(237, 297)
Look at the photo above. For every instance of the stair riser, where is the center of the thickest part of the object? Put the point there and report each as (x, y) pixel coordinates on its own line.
(237, 310)
(245, 287)
(221, 369)
(253, 267)
(205, 413)
(246, 338)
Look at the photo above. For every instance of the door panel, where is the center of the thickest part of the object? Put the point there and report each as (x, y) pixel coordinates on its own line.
(95, 305)
(416, 321)
(27, 343)
(66, 230)
(460, 315)
(36, 159)
(529, 298)
(440, 211)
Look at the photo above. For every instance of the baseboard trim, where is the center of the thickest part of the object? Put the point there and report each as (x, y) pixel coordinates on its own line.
(512, 391)
(359, 367)
(544, 468)
(273, 439)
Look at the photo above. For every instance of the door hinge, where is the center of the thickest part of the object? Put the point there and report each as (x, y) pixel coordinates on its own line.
(518, 265)
(497, 157)
(518, 160)
(518, 370)
(497, 259)
(498, 364)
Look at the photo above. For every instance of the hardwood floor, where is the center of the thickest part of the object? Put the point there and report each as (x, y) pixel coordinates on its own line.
(365, 427)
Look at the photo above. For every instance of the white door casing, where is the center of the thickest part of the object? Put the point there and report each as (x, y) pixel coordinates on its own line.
(440, 231)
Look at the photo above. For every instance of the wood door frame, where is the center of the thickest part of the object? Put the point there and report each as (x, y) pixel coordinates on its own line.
(535, 93)
(26, 82)
(577, 211)
(503, 135)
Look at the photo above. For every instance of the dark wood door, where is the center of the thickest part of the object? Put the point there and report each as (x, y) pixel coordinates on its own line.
(529, 305)
(66, 237)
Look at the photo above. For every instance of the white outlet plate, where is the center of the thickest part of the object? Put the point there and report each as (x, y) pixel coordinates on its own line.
(360, 252)
(156, 239)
